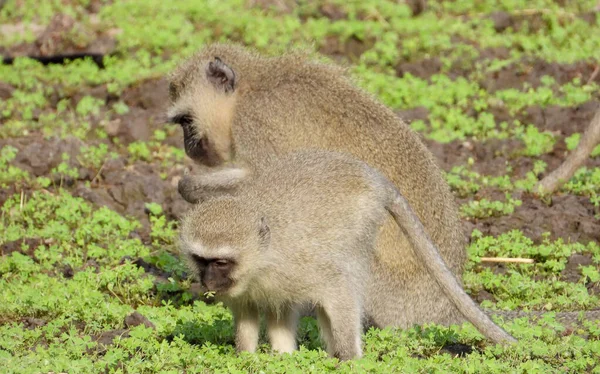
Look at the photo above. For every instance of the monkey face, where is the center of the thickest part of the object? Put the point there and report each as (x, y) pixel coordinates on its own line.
(224, 241)
(202, 103)
(214, 273)
(223, 270)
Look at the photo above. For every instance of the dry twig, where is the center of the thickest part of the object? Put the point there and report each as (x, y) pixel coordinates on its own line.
(507, 259)
(589, 140)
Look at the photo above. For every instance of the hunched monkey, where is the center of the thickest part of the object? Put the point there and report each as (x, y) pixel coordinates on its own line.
(235, 105)
(301, 230)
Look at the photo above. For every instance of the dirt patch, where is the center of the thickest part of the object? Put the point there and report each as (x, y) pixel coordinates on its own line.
(278, 6)
(530, 72)
(350, 49)
(6, 90)
(150, 95)
(133, 186)
(571, 272)
(63, 35)
(483, 295)
(126, 189)
(568, 217)
(333, 12)
(137, 319)
(518, 74)
(532, 20)
(17, 246)
(120, 186)
(6, 193)
(147, 102)
(409, 115)
(492, 156)
(561, 120)
(39, 156)
(462, 66)
(421, 69)
(32, 323)
(106, 338)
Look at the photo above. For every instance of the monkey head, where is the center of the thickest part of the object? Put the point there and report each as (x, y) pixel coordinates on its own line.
(203, 93)
(223, 243)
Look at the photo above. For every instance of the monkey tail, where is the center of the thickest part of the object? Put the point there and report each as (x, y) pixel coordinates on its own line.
(430, 257)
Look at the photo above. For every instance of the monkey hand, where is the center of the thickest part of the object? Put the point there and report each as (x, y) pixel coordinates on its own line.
(190, 191)
(197, 188)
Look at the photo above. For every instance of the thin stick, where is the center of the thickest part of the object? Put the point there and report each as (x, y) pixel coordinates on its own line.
(589, 139)
(99, 170)
(507, 259)
(594, 74)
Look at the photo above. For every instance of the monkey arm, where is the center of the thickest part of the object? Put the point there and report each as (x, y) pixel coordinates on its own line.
(197, 188)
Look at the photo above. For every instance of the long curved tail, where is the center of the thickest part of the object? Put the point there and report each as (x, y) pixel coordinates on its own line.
(430, 257)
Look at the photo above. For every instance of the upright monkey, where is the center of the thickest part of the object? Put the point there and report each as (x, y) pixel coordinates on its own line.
(302, 230)
(236, 105)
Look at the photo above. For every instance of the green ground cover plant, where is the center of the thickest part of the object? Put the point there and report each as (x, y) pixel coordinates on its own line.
(499, 90)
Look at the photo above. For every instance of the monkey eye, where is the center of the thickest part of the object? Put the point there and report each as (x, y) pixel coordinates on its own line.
(183, 120)
(221, 263)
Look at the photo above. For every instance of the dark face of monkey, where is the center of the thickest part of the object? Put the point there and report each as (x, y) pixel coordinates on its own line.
(214, 273)
(204, 110)
(197, 146)
(224, 242)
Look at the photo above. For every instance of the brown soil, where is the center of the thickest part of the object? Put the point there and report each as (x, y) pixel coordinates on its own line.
(532, 21)
(529, 72)
(17, 246)
(106, 338)
(568, 217)
(63, 35)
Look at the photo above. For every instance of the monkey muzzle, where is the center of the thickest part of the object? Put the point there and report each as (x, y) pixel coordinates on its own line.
(200, 148)
(215, 282)
(216, 286)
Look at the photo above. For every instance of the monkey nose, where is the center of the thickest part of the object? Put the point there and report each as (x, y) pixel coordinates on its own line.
(206, 285)
(210, 285)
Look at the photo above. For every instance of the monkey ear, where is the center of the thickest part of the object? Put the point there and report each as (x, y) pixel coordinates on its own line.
(221, 75)
(264, 232)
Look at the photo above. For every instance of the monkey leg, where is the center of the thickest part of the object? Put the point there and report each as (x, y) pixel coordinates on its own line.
(247, 327)
(281, 329)
(340, 322)
(325, 328)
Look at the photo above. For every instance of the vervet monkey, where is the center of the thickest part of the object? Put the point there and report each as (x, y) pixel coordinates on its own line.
(301, 230)
(235, 105)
